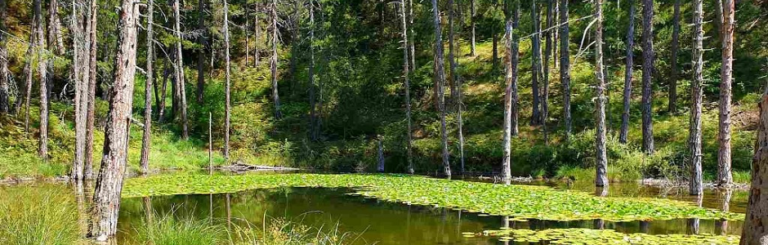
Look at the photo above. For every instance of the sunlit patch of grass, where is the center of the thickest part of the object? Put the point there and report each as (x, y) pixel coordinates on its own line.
(280, 231)
(38, 215)
(533, 202)
(167, 230)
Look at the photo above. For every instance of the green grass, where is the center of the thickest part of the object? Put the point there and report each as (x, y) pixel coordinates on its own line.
(38, 215)
(169, 230)
(523, 202)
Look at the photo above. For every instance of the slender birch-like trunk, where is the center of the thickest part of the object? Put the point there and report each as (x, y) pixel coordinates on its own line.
(91, 48)
(675, 47)
(29, 74)
(515, 60)
(80, 93)
(106, 198)
(179, 74)
(628, 74)
(508, 100)
(547, 55)
(145, 140)
(407, 84)
(227, 106)
(42, 70)
(694, 131)
(440, 81)
(273, 61)
(724, 177)
(601, 165)
(648, 57)
(565, 68)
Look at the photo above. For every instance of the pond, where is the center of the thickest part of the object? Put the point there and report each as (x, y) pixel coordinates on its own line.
(368, 220)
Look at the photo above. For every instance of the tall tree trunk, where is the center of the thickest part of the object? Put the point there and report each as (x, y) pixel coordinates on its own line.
(565, 67)
(601, 165)
(4, 96)
(41, 68)
(407, 83)
(80, 93)
(451, 50)
(201, 52)
(93, 75)
(694, 132)
(106, 199)
(675, 37)
(515, 60)
(161, 107)
(247, 35)
(495, 49)
(256, 38)
(555, 32)
(380, 151)
(726, 77)
(440, 77)
(55, 39)
(412, 37)
(719, 20)
(547, 55)
(648, 57)
(180, 84)
(145, 140)
(227, 97)
(273, 62)
(508, 100)
(628, 74)
(472, 26)
(754, 231)
(29, 73)
(535, 66)
(312, 115)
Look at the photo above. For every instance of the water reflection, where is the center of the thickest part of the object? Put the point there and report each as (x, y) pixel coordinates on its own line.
(693, 225)
(721, 226)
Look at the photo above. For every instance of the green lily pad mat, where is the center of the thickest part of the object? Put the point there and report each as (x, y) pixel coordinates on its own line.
(519, 201)
(600, 237)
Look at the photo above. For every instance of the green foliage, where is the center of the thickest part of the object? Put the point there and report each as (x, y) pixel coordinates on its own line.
(520, 201)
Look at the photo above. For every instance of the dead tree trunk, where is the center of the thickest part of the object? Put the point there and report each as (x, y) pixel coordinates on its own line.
(515, 60)
(201, 51)
(106, 198)
(440, 80)
(164, 91)
(754, 231)
(4, 96)
(673, 75)
(407, 83)
(312, 105)
(547, 55)
(694, 131)
(227, 106)
(628, 74)
(80, 93)
(565, 67)
(726, 78)
(380, 151)
(648, 57)
(180, 84)
(91, 48)
(601, 178)
(273, 61)
(41, 67)
(145, 139)
(535, 66)
(412, 37)
(508, 100)
(472, 27)
(29, 74)
(451, 56)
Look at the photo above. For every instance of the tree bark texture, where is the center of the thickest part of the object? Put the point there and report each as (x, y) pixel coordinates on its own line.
(755, 231)
(601, 158)
(724, 177)
(42, 70)
(675, 47)
(146, 137)
(4, 75)
(106, 199)
(515, 61)
(180, 84)
(628, 74)
(273, 62)
(201, 52)
(694, 132)
(227, 106)
(407, 84)
(81, 91)
(648, 57)
(440, 81)
(535, 66)
(508, 100)
(565, 67)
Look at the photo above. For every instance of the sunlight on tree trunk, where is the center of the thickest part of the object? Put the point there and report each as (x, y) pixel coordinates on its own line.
(724, 177)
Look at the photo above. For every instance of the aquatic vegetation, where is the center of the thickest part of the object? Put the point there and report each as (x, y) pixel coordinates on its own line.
(38, 215)
(522, 202)
(281, 231)
(592, 236)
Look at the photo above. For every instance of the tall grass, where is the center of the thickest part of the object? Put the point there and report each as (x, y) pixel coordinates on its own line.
(169, 230)
(38, 215)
